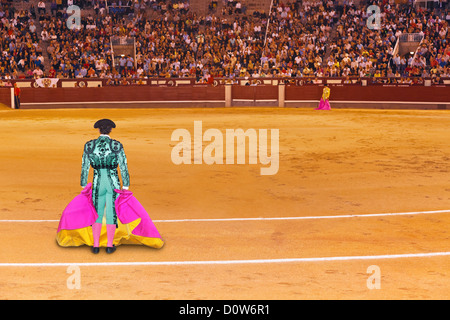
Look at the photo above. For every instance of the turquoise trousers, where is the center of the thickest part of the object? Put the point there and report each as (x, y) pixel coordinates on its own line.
(105, 199)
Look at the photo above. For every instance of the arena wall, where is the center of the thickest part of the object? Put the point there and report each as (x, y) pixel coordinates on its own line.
(374, 96)
(270, 92)
(5, 96)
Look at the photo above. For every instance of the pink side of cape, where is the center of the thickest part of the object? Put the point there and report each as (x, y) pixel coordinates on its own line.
(80, 212)
(324, 105)
(128, 209)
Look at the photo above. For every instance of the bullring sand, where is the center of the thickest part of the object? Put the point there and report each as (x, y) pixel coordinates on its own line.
(338, 163)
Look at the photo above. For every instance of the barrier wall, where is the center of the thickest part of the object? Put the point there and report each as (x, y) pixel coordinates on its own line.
(363, 94)
(376, 96)
(221, 95)
(123, 94)
(5, 96)
(118, 96)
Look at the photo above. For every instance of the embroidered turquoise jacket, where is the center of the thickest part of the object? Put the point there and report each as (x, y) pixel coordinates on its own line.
(104, 153)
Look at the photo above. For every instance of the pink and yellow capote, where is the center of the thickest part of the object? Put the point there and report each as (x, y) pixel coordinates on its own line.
(134, 223)
(324, 103)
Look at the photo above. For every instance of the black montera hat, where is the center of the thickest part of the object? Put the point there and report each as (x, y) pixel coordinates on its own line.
(104, 123)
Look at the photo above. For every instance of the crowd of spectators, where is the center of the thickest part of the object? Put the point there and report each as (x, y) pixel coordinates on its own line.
(365, 52)
(21, 53)
(309, 38)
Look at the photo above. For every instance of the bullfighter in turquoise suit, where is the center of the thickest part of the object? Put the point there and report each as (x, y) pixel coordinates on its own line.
(104, 155)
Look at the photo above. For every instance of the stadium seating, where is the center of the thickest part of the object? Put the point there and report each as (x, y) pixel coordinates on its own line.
(222, 38)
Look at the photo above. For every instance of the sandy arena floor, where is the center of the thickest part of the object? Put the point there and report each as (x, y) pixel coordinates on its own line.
(338, 163)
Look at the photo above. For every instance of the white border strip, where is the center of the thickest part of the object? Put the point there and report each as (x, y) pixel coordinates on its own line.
(369, 102)
(274, 218)
(222, 262)
(123, 102)
(223, 101)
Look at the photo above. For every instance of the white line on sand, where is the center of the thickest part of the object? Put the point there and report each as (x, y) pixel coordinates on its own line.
(275, 218)
(221, 262)
(260, 261)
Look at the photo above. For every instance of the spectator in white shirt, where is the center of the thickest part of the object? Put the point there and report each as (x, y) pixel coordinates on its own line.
(41, 7)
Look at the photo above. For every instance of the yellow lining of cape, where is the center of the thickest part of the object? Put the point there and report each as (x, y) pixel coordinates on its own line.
(123, 235)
